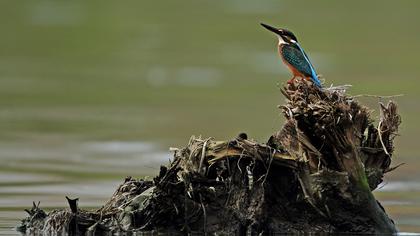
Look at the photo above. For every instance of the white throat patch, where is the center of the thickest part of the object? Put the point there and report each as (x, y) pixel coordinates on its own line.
(281, 40)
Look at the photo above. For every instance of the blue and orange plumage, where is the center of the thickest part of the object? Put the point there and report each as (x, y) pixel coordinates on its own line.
(293, 56)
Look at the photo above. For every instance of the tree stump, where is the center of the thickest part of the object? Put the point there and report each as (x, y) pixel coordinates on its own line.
(315, 175)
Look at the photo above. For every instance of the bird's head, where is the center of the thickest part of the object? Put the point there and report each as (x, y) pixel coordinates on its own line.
(285, 36)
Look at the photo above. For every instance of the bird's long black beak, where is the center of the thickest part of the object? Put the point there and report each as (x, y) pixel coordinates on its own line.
(272, 29)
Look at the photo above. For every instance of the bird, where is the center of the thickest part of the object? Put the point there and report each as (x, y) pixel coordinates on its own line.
(294, 56)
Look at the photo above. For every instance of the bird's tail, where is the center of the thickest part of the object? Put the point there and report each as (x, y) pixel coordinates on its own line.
(314, 76)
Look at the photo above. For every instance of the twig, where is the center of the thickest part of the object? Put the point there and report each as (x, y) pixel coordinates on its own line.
(269, 164)
(377, 96)
(204, 214)
(203, 155)
(393, 168)
(339, 87)
(309, 198)
(380, 138)
(240, 158)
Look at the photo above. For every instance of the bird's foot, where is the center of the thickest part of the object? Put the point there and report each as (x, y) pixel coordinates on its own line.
(292, 80)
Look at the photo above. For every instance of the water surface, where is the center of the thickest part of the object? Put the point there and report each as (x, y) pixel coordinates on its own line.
(93, 91)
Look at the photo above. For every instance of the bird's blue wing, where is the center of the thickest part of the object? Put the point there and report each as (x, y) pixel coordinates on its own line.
(314, 75)
(296, 57)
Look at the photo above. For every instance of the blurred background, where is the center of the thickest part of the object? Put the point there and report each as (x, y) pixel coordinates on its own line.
(91, 92)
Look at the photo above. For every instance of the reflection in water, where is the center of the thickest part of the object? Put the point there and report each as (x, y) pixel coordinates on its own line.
(159, 76)
(401, 186)
(91, 171)
(51, 13)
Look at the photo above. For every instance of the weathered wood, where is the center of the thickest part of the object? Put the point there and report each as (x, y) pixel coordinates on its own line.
(316, 174)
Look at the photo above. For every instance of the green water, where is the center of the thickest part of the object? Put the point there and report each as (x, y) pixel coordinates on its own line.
(93, 91)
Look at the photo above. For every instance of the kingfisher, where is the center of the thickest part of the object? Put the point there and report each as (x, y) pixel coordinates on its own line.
(294, 56)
